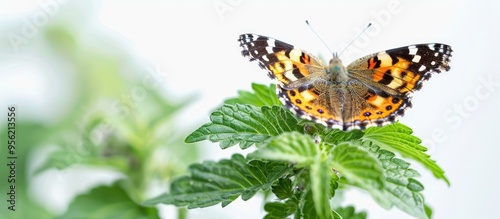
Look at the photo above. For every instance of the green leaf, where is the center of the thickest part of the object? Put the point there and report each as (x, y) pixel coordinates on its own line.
(401, 189)
(300, 149)
(222, 182)
(337, 136)
(293, 147)
(358, 166)
(262, 96)
(320, 175)
(107, 202)
(428, 211)
(336, 215)
(308, 209)
(350, 213)
(304, 203)
(279, 210)
(397, 137)
(283, 189)
(245, 125)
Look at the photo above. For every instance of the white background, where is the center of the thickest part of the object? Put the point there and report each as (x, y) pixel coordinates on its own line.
(456, 113)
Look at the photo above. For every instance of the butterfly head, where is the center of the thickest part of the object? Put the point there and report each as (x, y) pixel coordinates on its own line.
(336, 68)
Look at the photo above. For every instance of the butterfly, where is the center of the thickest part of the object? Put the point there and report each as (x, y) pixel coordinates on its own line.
(374, 90)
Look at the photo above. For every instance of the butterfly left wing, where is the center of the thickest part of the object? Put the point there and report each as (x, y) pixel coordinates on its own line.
(283, 62)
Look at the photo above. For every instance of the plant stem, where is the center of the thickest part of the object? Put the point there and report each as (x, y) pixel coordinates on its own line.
(182, 213)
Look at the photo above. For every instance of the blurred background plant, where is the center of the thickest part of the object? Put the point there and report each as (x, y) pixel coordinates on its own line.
(90, 115)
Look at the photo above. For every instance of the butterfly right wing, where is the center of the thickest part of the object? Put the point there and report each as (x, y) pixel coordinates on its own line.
(391, 76)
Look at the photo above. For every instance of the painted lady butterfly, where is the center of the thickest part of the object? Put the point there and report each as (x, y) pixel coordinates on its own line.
(374, 90)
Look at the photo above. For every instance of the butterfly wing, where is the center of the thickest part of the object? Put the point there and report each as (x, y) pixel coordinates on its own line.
(282, 61)
(403, 69)
(312, 102)
(297, 73)
(391, 77)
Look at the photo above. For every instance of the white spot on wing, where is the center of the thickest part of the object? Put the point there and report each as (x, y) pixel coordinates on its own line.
(422, 68)
(295, 54)
(289, 75)
(413, 50)
(394, 83)
(271, 42)
(269, 50)
(385, 59)
(378, 101)
(416, 59)
(307, 96)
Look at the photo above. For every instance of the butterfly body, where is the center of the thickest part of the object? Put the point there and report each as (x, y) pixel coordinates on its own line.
(337, 69)
(374, 90)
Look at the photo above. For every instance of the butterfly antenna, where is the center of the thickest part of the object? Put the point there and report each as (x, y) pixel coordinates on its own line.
(312, 29)
(355, 38)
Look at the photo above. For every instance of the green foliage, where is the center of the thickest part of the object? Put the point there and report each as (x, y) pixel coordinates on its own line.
(350, 213)
(244, 125)
(399, 139)
(107, 202)
(146, 148)
(320, 176)
(114, 117)
(357, 166)
(211, 183)
(293, 147)
(262, 96)
(120, 121)
(279, 210)
(311, 163)
(401, 189)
